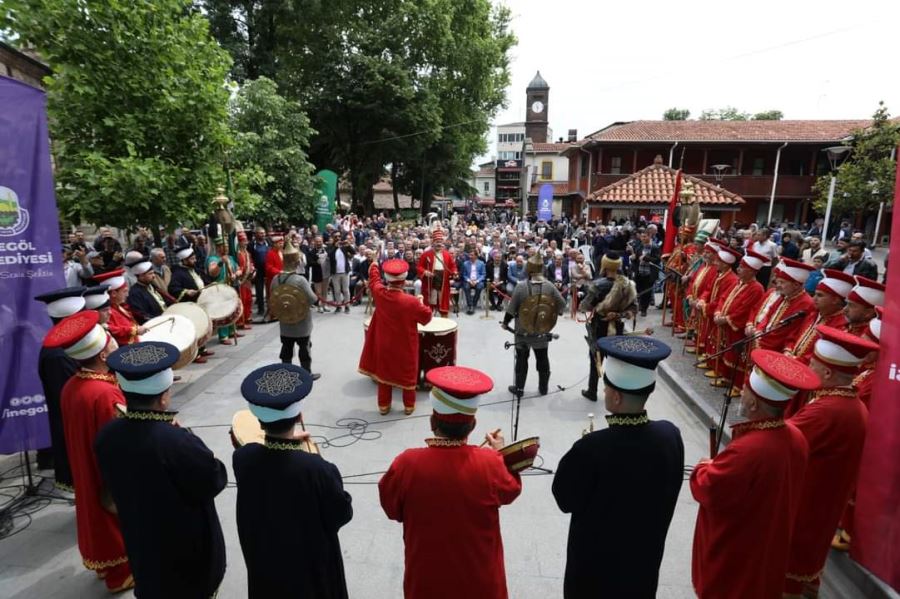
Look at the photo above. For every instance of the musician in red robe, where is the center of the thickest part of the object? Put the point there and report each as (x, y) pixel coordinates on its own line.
(724, 281)
(698, 283)
(749, 493)
(122, 324)
(829, 297)
(862, 300)
(88, 402)
(677, 265)
(245, 274)
(448, 495)
(391, 351)
(274, 259)
(732, 316)
(834, 424)
(436, 269)
(789, 300)
(863, 385)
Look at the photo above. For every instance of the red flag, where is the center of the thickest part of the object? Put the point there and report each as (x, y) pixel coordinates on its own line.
(669, 242)
(876, 538)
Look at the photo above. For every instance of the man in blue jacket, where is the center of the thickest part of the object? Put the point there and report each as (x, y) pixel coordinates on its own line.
(472, 277)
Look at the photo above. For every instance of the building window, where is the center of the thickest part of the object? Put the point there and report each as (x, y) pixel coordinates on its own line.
(615, 165)
(487, 187)
(758, 166)
(547, 170)
(584, 166)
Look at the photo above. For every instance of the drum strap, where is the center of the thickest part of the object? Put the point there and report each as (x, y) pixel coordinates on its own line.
(197, 280)
(156, 296)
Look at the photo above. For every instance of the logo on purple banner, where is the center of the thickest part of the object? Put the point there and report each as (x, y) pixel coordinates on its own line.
(30, 262)
(545, 202)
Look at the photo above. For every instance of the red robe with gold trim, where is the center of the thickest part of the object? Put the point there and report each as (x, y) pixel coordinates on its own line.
(122, 325)
(700, 286)
(88, 402)
(245, 264)
(390, 354)
(738, 308)
(748, 496)
(721, 286)
(834, 424)
(680, 261)
(779, 309)
(857, 328)
(448, 499)
(863, 385)
(426, 263)
(802, 347)
(274, 265)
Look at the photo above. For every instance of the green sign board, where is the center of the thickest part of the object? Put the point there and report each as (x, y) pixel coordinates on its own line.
(327, 189)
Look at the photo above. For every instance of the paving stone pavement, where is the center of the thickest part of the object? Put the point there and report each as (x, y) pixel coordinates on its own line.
(42, 561)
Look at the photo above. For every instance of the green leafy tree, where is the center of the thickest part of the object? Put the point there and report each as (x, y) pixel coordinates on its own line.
(729, 113)
(677, 114)
(866, 177)
(404, 83)
(138, 111)
(768, 115)
(273, 179)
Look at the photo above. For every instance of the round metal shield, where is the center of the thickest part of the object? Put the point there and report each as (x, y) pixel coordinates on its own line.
(537, 314)
(289, 304)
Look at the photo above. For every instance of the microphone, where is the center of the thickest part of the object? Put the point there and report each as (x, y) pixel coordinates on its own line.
(508, 344)
(791, 318)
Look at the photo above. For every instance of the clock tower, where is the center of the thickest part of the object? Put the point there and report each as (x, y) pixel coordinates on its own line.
(537, 96)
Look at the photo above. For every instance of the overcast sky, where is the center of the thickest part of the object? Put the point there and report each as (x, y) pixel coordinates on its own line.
(618, 61)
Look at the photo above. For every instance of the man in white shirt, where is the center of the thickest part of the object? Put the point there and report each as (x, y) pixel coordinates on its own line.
(76, 267)
(765, 247)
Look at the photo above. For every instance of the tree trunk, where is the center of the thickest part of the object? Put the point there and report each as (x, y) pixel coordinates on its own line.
(394, 189)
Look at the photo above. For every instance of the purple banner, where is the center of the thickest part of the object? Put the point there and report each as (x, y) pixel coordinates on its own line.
(545, 203)
(30, 262)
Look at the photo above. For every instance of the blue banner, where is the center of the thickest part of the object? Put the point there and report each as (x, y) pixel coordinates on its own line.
(545, 203)
(30, 262)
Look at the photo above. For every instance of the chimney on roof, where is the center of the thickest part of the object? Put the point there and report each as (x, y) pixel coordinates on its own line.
(573, 135)
(560, 140)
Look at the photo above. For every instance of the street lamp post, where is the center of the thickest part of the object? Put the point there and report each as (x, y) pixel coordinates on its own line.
(835, 156)
(527, 144)
(719, 171)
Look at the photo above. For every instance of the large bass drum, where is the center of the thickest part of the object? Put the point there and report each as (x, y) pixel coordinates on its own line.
(198, 317)
(437, 346)
(177, 330)
(222, 303)
(245, 429)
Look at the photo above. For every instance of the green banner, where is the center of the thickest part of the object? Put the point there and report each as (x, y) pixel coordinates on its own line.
(327, 188)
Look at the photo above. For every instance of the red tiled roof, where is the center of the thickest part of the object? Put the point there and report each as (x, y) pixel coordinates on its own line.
(550, 147)
(729, 131)
(560, 188)
(656, 184)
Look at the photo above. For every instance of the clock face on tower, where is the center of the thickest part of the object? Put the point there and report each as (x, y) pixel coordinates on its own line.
(537, 107)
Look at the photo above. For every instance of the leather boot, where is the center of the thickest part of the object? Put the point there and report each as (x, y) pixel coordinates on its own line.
(543, 382)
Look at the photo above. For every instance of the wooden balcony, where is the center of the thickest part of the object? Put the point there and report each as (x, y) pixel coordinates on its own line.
(747, 186)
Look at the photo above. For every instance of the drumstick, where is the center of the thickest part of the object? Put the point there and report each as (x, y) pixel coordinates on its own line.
(303, 427)
(483, 443)
(169, 319)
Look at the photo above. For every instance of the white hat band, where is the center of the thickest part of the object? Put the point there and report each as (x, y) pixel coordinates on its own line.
(95, 300)
(754, 263)
(870, 296)
(768, 388)
(185, 253)
(140, 268)
(90, 345)
(797, 274)
(839, 287)
(66, 306)
(875, 328)
(445, 403)
(265, 414)
(727, 257)
(152, 385)
(628, 376)
(115, 282)
(832, 353)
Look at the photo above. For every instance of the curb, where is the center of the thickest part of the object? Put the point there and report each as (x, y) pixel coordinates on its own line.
(703, 411)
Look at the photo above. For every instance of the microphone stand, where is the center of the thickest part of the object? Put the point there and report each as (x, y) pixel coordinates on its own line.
(716, 433)
(517, 404)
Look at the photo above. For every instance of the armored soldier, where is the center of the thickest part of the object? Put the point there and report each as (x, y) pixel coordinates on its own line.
(609, 302)
(289, 299)
(535, 304)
